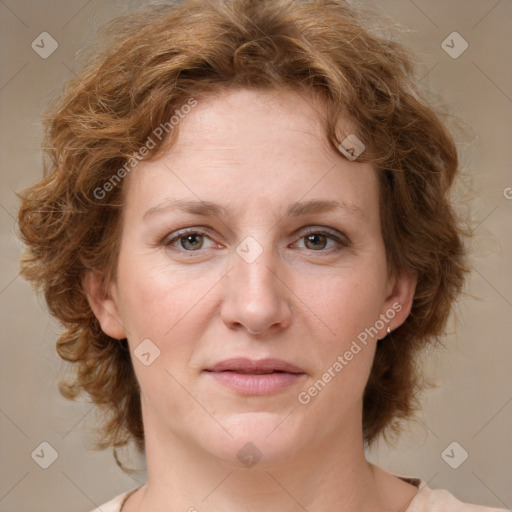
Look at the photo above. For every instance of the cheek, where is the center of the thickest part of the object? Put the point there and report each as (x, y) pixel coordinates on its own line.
(348, 309)
(150, 297)
(347, 301)
(163, 304)
(166, 310)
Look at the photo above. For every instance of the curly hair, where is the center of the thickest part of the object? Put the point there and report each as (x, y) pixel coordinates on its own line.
(151, 62)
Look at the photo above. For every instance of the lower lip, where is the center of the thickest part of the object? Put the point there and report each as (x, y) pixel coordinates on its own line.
(251, 384)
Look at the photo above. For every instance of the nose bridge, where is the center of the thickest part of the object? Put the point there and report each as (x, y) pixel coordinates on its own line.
(256, 266)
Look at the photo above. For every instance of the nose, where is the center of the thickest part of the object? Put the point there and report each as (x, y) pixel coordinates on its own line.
(257, 296)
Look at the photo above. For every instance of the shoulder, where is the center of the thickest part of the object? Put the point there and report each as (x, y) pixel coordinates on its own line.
(440, 500)
(114, 505)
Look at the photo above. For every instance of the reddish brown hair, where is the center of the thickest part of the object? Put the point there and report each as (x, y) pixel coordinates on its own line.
(152, 62)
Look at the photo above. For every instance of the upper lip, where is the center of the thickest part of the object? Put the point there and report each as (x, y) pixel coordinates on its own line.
(256, 366)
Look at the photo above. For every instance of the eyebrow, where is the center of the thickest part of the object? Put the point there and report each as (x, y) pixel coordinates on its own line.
(208, 208)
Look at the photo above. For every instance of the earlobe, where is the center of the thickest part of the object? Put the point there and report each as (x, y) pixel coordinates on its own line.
(103, 304)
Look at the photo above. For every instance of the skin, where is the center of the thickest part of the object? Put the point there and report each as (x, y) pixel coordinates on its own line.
(303, 301)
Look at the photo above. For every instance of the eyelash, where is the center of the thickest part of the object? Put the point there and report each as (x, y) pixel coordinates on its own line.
(170, 240)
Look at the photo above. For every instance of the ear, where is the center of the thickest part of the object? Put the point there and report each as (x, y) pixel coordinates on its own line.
(398, 303)
(104, 304)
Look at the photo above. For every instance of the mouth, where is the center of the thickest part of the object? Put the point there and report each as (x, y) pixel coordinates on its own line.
(256, 377)
(256, 371)
(255, 366)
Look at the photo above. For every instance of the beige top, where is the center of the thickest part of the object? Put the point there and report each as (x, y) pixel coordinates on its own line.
(427, 500)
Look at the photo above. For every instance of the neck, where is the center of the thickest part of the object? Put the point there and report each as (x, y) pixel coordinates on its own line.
(334, 475)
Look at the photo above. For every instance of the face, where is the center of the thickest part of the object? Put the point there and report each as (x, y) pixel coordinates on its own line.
(251, 240)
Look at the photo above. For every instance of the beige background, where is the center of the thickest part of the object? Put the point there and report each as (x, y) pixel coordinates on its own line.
(473, 404)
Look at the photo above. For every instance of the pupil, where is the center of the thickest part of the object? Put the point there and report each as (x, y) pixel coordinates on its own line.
(187, 241)
(315, 239)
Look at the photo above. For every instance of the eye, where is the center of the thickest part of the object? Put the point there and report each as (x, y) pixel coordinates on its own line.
(318, 240)
(190, 241)
(315, 239)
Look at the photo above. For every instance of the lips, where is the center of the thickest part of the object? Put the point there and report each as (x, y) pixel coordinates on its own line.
(255, 367)
(256, 377)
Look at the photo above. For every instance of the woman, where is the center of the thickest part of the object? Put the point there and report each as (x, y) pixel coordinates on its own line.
(244, 227)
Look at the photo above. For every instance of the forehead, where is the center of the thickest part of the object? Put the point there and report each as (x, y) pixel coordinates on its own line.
(255, 121)
(250, 147)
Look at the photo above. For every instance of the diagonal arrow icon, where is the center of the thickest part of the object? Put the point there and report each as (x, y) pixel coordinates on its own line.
(40, 45)
(452, 45)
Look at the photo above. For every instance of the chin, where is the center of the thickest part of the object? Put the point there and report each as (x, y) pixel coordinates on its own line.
(260, 439)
